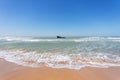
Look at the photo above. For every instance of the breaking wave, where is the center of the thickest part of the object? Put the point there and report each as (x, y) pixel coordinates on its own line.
(71, 61)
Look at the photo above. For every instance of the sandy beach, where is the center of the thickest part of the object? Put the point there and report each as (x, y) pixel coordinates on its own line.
(11, 71)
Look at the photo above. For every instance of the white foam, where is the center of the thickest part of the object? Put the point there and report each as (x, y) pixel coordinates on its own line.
(114, 38)
(72, 61)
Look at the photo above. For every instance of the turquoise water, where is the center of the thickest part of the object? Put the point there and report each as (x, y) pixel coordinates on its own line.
(74, 52)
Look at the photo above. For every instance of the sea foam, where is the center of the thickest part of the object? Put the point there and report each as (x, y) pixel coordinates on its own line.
(71, 61)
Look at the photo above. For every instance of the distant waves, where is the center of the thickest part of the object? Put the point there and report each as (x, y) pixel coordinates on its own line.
(32, 39)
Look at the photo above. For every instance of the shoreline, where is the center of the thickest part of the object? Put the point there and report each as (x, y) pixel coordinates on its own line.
(71, 61)
(11, 71)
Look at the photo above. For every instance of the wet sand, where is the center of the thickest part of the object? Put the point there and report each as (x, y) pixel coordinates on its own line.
(11, 71)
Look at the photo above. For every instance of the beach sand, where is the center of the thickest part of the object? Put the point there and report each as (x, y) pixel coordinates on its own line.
(11, 71)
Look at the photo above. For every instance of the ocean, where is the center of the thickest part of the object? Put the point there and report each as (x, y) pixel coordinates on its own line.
(71, 52)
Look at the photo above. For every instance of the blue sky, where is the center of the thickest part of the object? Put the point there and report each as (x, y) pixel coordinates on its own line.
(60, 17)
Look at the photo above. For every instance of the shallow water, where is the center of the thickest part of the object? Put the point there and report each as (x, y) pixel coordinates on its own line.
(72, 52)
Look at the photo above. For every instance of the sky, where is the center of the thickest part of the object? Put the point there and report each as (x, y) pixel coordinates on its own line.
(60, 17)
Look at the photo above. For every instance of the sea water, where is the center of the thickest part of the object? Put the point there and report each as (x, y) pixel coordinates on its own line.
(71, 52)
